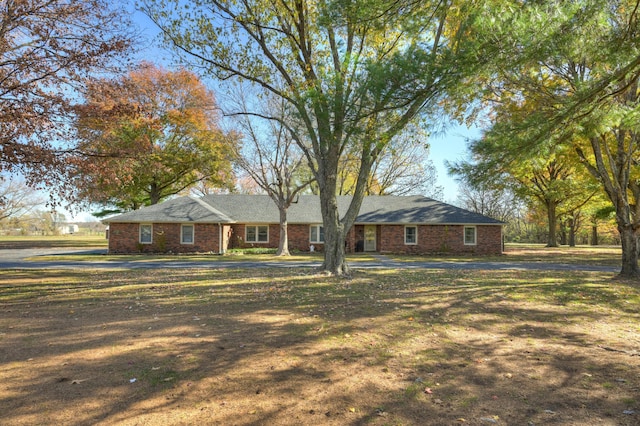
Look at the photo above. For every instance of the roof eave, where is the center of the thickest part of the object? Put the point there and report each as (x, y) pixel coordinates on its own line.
(432, 223)
(206, 222)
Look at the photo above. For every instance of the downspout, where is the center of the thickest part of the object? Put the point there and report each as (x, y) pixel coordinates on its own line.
(220, 250)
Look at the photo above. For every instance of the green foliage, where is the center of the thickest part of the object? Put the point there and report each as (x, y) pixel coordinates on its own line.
(252, 250)
(565, 82)
(355, 74)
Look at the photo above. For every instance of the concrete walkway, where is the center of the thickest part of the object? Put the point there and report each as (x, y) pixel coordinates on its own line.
(16, 259)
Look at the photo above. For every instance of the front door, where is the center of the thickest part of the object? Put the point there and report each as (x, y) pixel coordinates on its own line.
(370, 238)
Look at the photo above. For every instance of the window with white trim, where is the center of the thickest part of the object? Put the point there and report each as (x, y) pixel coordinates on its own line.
(411, 235)
(186, 234)
(470, 235)
(256, 234)
(146, 233)
(316, 234)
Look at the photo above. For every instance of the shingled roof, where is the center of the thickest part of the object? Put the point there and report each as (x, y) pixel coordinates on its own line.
(257, 209)
(177, 210)
(417, 210)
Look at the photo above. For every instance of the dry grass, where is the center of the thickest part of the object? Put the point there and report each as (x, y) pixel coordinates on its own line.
(276, 347)
(534, 253)
(72, 240)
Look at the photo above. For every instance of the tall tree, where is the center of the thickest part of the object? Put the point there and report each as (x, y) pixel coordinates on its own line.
(149, 135)
(355, 73)
(600, 211)
(612, 156)
(46, 49)
(552, 178)
(578, 62)
(271, 158)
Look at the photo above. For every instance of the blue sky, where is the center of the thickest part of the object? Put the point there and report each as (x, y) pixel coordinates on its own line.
(450, 146)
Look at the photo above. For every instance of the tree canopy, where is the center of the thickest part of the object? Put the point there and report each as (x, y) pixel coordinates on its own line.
(567, 75)
(353, 73)
(553, 178)
(149, 135)
(46, 49)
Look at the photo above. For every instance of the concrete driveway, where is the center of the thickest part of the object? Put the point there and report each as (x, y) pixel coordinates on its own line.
(16, 259)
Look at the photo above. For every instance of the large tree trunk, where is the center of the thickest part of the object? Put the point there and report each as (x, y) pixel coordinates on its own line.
(572, 232)
(552, 220)
(154, 194)
(563, 233)
(335, 261)
(335, 227)
(629, 239)
(572, 237)
(283, 245)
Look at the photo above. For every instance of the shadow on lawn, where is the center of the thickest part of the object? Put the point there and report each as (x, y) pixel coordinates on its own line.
(265, 347)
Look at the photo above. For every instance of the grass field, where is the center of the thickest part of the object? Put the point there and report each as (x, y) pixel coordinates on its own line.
(73, 240)
(282, 347)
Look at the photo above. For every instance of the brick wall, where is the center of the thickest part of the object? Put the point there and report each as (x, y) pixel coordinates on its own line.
(125, 238)
(440, 239)
(298, 236)
(490, 240)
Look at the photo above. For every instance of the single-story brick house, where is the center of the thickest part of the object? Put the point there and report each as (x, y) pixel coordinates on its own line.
(217, 223)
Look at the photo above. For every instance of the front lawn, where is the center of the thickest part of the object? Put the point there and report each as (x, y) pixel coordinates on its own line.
(533, 253)
(283, 347)
(53, 241)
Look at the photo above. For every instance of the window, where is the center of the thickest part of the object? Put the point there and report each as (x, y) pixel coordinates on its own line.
(186, 234)
(316, 234)
(410, 235)
(256, 234)
(146, 234)
(470, 235)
